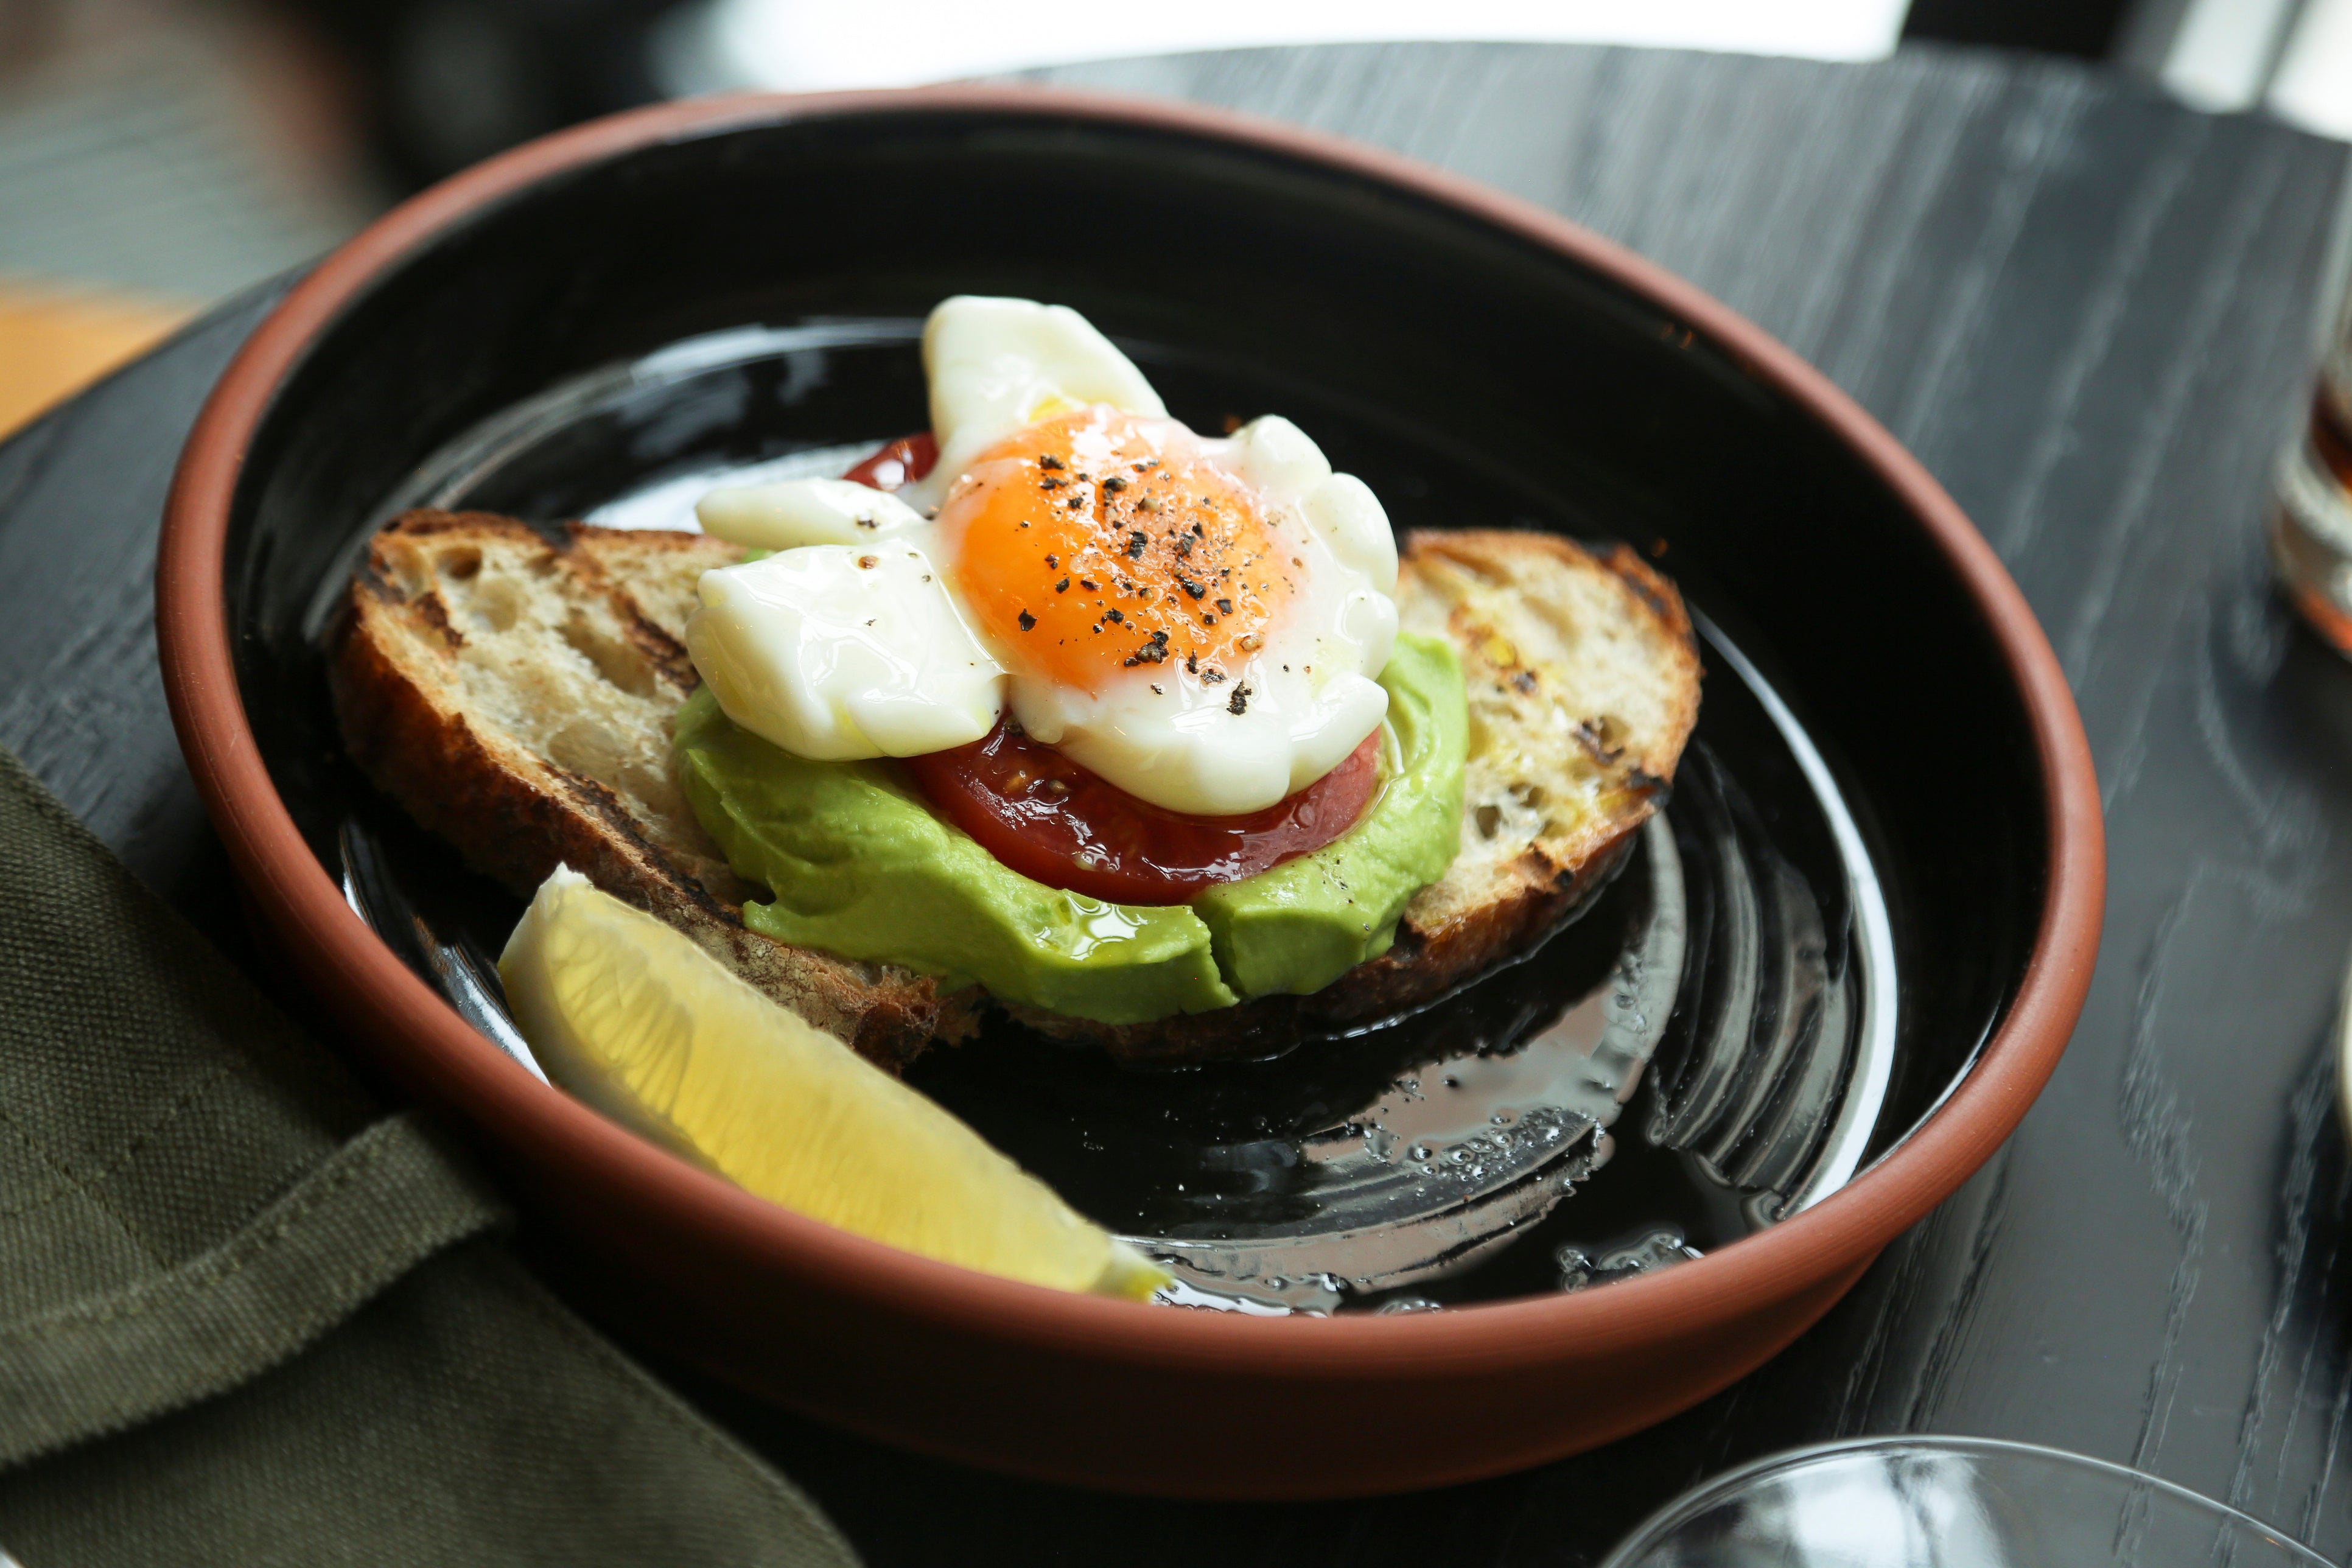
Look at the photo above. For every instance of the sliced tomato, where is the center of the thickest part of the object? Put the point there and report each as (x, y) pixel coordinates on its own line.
(1055, 822)
(1051, 820)
(904, 460)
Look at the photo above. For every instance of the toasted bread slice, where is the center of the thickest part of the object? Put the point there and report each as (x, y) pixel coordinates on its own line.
(516, 693)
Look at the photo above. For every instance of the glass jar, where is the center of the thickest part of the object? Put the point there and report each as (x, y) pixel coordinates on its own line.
(2311, 502)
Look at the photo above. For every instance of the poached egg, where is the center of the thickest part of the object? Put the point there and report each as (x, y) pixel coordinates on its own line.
(1201, 622)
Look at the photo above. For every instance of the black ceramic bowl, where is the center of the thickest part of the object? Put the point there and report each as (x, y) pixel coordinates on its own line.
(1479, 362)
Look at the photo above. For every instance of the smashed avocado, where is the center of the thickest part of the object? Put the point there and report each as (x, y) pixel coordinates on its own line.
(859, 865)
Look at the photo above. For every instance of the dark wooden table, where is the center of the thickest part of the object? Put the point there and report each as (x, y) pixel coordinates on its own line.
(2091, 313)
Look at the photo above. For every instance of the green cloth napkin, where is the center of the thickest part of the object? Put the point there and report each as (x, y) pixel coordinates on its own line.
(246, 1318)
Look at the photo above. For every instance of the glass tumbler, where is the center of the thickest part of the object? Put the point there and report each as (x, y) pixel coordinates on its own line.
(1949, 1502)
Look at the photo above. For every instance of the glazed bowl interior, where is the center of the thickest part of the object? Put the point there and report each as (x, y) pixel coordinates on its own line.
(1479, 380)
(1473, 372)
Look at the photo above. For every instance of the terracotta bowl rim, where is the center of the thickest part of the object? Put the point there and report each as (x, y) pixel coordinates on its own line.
(309, 912)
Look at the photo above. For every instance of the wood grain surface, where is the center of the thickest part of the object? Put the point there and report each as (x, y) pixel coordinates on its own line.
(2092, 314)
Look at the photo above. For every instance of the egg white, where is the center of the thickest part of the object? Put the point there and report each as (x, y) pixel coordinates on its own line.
(791, 513)
(839, 651)
(803, 649)
(996, 366)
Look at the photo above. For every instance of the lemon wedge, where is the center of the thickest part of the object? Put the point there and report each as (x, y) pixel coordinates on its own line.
(635, 1019)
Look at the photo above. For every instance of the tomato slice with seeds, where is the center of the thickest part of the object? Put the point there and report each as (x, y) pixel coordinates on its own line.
(1054, 822)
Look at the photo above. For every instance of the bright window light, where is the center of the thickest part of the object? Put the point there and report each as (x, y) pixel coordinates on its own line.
(819, 45)
(2314, 85)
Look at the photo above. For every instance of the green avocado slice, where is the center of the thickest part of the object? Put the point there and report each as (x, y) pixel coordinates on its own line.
(1305, 922)
(860, 866)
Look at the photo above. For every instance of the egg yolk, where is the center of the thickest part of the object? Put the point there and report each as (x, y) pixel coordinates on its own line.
(1096, 545)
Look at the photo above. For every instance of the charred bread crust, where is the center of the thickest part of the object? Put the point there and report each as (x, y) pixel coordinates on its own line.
(514, 815)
